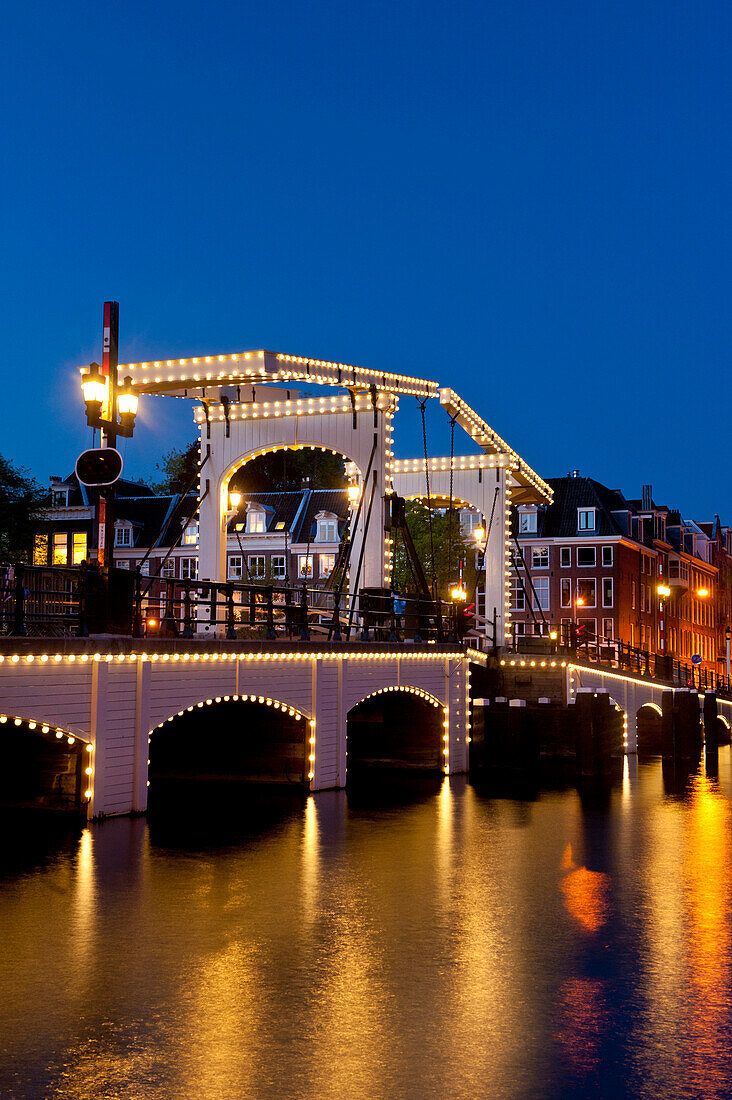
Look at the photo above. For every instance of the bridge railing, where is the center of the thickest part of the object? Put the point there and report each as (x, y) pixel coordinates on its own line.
(49, 601)
(192, 608)
(43, 601)
(613, 653)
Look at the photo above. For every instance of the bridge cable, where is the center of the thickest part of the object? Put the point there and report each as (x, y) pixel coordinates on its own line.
(422, 405)
(449, 511)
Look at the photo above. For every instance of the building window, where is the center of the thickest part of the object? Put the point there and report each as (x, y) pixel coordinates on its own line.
(189, 569)
(586, 555)
(256, 566)
(122, 564)
(235, 567)
(145, 568)
(541, 598)
(587, 592)
(123, 536)
(327, 530)
(607, 592)
(279, 571)
(40, 550)
(527, 523)
(326, 564)
(517, 597)
(60, 548)
(255, 523)
(566, 592)
(607, 556)
(607, 628)
(469, 521)
(305, 565)
(60, 498)
(565, 557)
(586, 519)
(540, 557)
(78, 547)
(168, 569)
(190, 535)
(632, 595)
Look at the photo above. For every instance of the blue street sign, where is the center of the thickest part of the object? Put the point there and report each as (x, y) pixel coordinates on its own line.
(696, 659)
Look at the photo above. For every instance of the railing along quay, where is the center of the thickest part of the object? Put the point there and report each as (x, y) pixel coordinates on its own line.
(616, 655)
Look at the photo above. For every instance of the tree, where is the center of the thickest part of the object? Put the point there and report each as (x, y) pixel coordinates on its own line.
(265, 474)
(450, 548)
(21, 504)
(282, 471)
(178, 469)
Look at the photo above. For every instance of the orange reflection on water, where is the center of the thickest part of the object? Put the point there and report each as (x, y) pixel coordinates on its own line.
(585, 893)
(707, 873)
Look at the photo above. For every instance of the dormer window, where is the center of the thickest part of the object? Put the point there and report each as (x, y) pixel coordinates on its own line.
(256, 522)
(327, 530)
(527, 521)
(190, 535)
(60, 498)
(586, 519)
(123, 536)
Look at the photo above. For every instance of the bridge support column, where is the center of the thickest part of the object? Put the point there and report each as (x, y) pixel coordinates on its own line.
(97, 726)
(142, 729)
(330, 734)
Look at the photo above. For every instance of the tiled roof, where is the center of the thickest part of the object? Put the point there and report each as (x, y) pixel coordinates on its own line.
(297, 510)
(334, 501)
(570, 493)
(154, 515)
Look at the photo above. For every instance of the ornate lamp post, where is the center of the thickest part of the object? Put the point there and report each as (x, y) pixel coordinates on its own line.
(112, 409)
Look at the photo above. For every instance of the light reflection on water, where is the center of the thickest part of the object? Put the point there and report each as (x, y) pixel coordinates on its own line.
(441, 943)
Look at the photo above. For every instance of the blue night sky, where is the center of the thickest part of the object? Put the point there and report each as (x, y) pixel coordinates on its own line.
(527, 201)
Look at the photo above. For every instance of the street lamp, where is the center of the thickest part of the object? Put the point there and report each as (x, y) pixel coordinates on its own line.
(728, 636)
(234, 500)
(95, 388)
(664, 591)
(353, 493)
(479, 534)
(459, 593)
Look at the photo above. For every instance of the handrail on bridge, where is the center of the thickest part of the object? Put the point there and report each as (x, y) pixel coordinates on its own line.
(613, 653)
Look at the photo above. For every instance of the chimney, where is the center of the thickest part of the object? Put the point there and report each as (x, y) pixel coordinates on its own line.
(647, 498)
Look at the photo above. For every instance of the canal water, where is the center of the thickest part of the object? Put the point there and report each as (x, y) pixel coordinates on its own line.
(435, 941)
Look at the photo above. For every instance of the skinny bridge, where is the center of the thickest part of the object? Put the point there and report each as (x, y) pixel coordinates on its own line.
(110, 697)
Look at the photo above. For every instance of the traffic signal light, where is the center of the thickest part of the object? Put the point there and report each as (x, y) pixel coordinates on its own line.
(100, 466)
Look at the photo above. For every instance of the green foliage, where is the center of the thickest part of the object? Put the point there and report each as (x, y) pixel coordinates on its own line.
(178, 469)
(21, 502)
(271, 472)
(265, 474)
(450, 547)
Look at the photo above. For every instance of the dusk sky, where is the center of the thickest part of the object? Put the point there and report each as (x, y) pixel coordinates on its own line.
(527, 201)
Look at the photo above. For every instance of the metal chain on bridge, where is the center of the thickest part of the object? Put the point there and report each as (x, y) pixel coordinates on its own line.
(422, 405)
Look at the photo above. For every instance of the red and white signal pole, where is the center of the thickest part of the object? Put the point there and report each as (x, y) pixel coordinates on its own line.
(110, 351)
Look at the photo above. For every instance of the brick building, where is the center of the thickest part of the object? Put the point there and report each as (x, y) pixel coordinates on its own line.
(596, 558)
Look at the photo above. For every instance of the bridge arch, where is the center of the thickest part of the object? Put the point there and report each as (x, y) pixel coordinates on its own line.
(44, 765)
(397, 727)
(357, 428)
(258, 738)
(648, 728)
